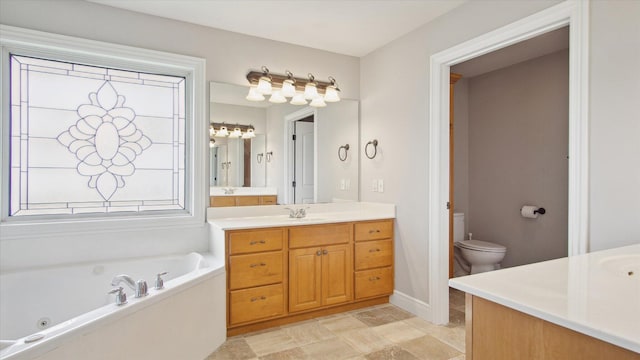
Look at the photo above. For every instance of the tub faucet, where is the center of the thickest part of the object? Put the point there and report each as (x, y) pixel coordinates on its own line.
(121, 297)
(139, 286)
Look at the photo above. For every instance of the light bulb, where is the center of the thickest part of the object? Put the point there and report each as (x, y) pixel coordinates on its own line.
(318, 102)
(223, 132)
(310, 91)
(236, 133)
(254, 95)
(212, 143)
(264, 85)
(212, 131)
(298, 99)
(288, 89)
(249, 134)
(331, 94)
(277, 97)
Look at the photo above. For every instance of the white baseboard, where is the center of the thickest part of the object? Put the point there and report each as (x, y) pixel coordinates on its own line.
(417, 307)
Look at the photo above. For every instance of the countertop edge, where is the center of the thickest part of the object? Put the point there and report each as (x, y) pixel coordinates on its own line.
(541, 314)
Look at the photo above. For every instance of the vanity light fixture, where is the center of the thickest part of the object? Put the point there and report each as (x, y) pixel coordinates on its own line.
(299, 90)
(239, 131)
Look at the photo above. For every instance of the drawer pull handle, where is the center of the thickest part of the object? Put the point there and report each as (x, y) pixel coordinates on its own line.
(318, 253)
(374, 231)
(325, 252)
(374, 278)
(374, 250)
(256, 265)
(254, 299)
(257, 242)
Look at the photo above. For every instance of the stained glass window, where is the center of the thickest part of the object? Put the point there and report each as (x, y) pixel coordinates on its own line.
(89, 139)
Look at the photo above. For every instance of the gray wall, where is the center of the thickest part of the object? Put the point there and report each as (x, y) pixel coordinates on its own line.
(404, 64)
(518, 141)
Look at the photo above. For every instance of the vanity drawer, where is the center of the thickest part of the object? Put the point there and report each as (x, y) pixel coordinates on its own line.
(374, 230)
(255, 269)
(269, 200)
(374, 282)
(319, 235)
(222, 201)
(249, 241)
(247, 200)
(373, 254)
(256, 303)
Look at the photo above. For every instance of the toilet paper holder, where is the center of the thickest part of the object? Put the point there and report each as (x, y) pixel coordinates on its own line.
(540, 211)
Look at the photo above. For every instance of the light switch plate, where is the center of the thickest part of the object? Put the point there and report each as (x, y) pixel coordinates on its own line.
(380, 185)
(374, 185)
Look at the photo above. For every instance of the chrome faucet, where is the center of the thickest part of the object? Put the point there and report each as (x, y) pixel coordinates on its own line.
(139, 286)
(229, 190)
(121, 297)
(297, 213)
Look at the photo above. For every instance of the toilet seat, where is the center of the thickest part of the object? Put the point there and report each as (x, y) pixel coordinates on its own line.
(479, 245)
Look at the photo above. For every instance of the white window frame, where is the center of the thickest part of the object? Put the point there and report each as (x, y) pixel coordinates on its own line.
(77, 50)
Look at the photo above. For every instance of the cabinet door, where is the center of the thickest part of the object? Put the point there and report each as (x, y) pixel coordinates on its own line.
(337, 274)
(305, 286)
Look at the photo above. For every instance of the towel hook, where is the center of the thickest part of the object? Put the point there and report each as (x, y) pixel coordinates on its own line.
(345, 148)
(269, 156)
(259, 158)
(375, 148)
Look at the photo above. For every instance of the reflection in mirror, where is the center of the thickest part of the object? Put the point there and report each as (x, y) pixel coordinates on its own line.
(273, 151)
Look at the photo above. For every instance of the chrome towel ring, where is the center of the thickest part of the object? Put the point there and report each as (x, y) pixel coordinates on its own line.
(375, 148)
(345, 148)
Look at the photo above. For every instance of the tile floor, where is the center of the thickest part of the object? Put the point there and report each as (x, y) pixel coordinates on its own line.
(374, 333)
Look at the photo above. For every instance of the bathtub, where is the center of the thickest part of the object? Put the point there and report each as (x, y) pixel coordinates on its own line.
(65, 312)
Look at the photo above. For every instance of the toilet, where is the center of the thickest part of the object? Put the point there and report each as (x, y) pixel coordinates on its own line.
(475, 256)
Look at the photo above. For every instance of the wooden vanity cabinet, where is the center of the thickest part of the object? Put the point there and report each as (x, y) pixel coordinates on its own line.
(320, 266)
(285, 274)
(373, 259)
(256, 268)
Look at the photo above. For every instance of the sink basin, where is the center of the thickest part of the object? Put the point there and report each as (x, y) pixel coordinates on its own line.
(622, 265)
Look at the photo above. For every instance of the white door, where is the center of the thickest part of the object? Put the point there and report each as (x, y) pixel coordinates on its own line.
(222, 166)
(304, 150)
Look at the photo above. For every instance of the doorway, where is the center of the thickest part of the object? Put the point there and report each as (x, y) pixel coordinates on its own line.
(303, 163)
(573, 14)
(301, 159)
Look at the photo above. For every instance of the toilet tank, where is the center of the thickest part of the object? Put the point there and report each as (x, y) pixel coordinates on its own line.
(458, 227)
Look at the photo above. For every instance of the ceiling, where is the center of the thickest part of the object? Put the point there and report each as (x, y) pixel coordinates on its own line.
(349, 27)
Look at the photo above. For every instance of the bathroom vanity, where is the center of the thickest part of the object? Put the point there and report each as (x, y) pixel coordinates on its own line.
(581, 307)
(282, 269)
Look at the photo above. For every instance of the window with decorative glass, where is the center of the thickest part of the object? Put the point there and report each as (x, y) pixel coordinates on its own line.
(88, 139)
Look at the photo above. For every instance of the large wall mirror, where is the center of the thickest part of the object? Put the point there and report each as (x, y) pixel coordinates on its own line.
(298, 152)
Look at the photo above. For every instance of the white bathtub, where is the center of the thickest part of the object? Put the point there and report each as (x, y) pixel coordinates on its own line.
(70, 306)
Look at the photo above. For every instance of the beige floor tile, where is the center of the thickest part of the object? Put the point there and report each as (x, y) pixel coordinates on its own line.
(270, 342)
(398, 331)
(460, 357)
(391, 353)
(308, 332)
(341, 323)
(235, 348)
(428, 347)
(381, 316)
(452, 336)
(365, 340)
(332, 349)
(291, 354)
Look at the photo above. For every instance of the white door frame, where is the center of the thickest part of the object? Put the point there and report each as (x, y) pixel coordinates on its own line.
(574, 13)
(289, 150)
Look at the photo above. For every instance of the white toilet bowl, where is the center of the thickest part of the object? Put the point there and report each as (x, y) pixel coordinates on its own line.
(481, 255)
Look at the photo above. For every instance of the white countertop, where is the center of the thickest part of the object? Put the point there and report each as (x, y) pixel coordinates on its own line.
(597, 294)
(248, 217)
